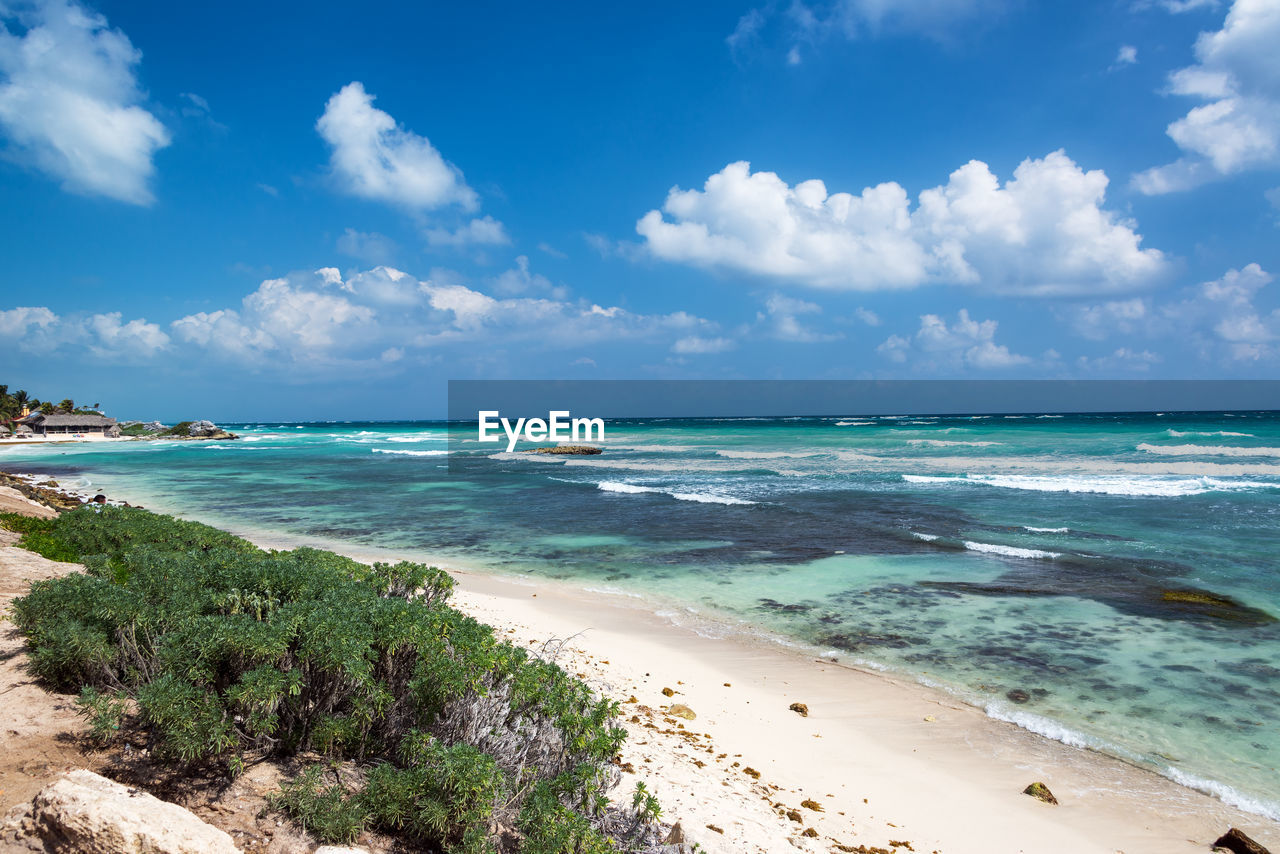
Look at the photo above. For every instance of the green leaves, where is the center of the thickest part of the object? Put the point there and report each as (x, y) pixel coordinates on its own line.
(229, 649)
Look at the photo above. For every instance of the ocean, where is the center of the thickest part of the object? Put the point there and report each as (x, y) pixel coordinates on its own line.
(1110, 581)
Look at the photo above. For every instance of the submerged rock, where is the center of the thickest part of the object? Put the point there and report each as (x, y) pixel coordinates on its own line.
(1017, 695)
(1040, 792)
(1237, 842)
(578, 450)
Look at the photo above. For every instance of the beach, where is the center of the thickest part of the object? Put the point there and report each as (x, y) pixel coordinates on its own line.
(876, 760)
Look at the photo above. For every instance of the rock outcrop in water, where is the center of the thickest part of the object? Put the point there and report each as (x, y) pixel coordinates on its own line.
(577, 450)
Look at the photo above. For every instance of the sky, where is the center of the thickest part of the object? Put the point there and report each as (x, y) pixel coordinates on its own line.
(307, 212)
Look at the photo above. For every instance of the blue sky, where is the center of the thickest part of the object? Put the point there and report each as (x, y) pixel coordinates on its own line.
(316, 212)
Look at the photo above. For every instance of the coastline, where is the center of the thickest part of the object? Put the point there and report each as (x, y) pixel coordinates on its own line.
(933, 771)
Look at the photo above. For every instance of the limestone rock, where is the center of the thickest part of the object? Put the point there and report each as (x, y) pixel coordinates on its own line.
(573, 450)
(800, 709)
(1236, 842)
(1040, 792)
(84, 812)
(680, 710)
(339, 849)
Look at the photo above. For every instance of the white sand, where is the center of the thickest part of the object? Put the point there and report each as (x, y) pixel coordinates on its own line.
(933, 772)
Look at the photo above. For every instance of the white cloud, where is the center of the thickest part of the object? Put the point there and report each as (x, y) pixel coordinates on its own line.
(17, 323)
(134, 340)
(484, 231)
(69, 100)
(965, 343)
(1224, 314)
(1178, 7)
(321, 321)
(36, 329)
(695, 345)
(1127, 55)
(1273, 196)
(867, 316)
(370, 246)
(781, 320)
(1238, 127)
(1043, 233)
(374, 158)
(519, 281)
(1100, 321)
(855, 18)
(1123, 360)
(1219, 319)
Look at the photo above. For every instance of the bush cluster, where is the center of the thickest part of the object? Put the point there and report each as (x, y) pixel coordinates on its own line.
(461, 741)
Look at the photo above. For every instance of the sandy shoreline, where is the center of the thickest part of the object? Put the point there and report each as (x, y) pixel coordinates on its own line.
(887, 760)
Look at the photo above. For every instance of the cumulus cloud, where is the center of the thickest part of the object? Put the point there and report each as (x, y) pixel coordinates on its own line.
(1042, 233)
(1218, 319)
(781, 320)
(374, 158)
(696, 345)
(107, 337)
(69, 100)
(484, 231)
(1236, 128)
(964, 343)
(321, 321)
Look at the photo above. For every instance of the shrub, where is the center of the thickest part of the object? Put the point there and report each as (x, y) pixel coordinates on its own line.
(470, 744)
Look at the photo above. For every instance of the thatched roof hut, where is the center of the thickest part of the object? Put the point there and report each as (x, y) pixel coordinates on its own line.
(59, 423)
(4, 430)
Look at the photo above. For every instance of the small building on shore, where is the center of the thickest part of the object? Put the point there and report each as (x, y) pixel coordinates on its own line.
(72, 424)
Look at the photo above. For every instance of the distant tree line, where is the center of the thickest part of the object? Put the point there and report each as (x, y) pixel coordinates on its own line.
(12, 404)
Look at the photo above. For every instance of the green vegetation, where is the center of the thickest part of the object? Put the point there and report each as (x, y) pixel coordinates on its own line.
(12, 403)
(135, 430)
(444, 734)
(182, 428)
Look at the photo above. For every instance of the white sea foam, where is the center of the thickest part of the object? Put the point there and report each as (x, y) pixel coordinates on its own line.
(422, 438)
(409, 453)
(1047, 727)
(766, 455)
(928, 538)
(1009, 551)
(944, 443)
(1224, 793)
(854, 423)
(1167, 487)
(700, 497)
(1208, 450)
(1179, 433)
(1045, 530)
(1058, 732)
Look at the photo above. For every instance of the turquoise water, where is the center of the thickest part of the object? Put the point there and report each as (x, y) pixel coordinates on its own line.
(1025, 563)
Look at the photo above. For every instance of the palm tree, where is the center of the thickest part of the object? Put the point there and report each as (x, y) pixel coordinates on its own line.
(67, 405)
(22, 397)
(47, 408)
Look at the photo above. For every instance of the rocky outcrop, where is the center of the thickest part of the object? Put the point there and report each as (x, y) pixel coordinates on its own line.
(1237, 842)
(577, 450)
(84, 812)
